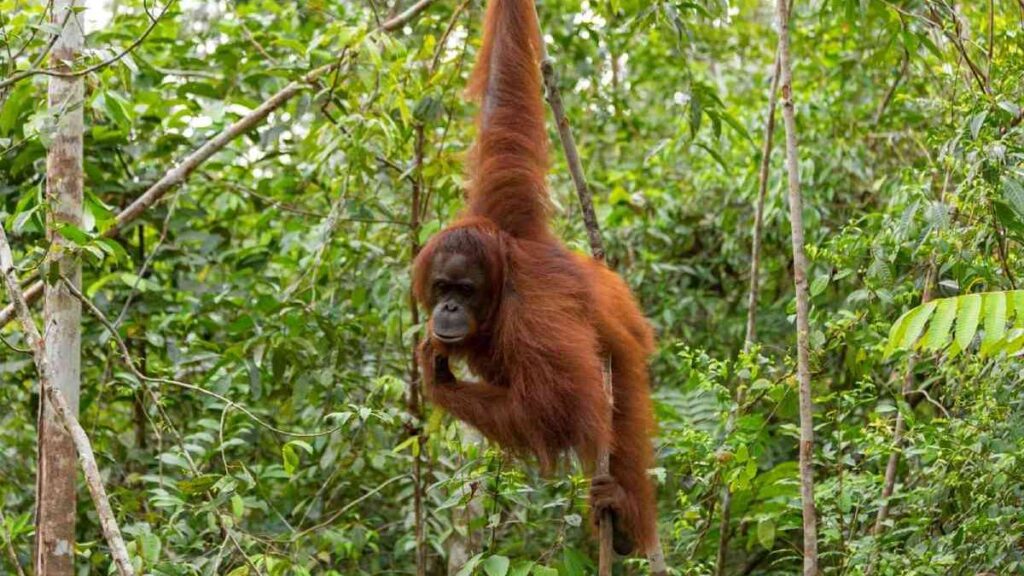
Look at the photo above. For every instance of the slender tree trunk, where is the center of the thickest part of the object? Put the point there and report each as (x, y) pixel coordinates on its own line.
(752, 296)
(139, 405)
(415, 404)
(802, 300)
(62, 312)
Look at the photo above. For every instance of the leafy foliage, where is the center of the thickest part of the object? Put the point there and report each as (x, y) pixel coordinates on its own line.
(991, 311)
(276, 277)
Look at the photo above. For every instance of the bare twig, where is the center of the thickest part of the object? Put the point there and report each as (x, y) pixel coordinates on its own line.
(991, 31)
(904, 67)
(281, 205)
(405, 17)
(923, 391)
(606, 556)
(32, 36)
(148, 261)
(7, 343)
(414, 399)
(86, 457)
(810, 528)
(956, 37)
(444, 37)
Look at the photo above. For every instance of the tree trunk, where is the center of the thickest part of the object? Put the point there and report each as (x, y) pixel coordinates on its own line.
(802, 300)
(55, 480)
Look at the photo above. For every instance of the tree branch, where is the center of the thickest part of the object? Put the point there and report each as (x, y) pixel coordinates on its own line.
(406, 16)
(86, 457)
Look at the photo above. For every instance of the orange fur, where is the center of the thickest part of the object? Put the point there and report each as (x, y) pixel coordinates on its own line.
(555, 315)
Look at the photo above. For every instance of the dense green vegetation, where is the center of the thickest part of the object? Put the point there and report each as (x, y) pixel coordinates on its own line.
(277, 276)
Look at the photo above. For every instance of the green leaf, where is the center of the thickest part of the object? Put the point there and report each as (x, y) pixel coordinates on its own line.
(994, 313)
(141, 284)
(289, 459)
(1018, 308)
(117, 110)
(819, 284)
(1013, 192)
(977, 121)
(149, 547)
(544, 571)
(766, 533)
(410, 442)
(237, 505)
(114, 249)
(896, 331)
(940, 328)
(915, 324)
(521, 568)
(469, 566)
(496, 566)
(74, 234)
(714, 154)
(302, 444)
(967, 319)
(1009, 218)
(574, 563)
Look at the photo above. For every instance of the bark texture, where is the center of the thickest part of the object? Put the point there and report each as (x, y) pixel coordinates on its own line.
(62, 313)
(796, 220)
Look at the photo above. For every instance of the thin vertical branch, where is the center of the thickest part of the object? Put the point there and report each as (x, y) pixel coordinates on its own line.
(810, 527)
(139, 406)
(606, 556)
(572, 155)
(86, 457)
(762, 192)
(415, 405)
(752, 297)
(465, 540)
(991, 32)
(887, 99)
(906, 389)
